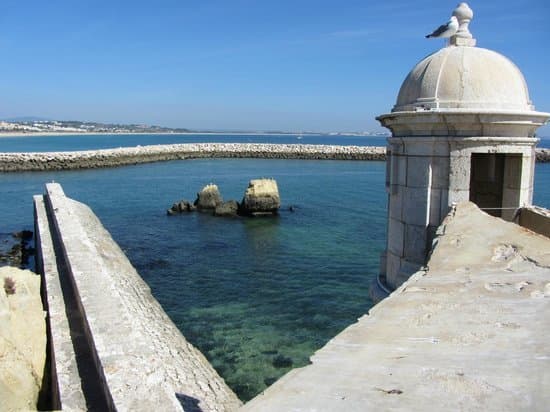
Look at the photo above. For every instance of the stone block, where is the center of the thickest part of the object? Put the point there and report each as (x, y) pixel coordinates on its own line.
(396, 203)
(440, 172)
(392, 269)
(400, 172)
(418, 171)
(396, 146)
(406, 270)
(459, 173)
(415, 206)
(435, 207)
(396, 233)
(513, 173)
(415, 243)
(458, 196)
(527, 171)
(426, 146)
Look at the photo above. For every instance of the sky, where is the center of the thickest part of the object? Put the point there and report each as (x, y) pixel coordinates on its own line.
(296, 65)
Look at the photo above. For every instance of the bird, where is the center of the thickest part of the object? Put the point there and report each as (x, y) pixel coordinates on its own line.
(445, 30)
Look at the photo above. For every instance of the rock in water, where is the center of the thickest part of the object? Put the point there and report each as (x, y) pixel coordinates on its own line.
(261, 197)
(181, 207)
(228, 208)
(208, 198)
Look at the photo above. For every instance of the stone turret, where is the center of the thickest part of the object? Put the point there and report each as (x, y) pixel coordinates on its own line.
(463, 128)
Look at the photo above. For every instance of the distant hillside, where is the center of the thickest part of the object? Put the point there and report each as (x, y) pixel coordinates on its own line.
(34, 125)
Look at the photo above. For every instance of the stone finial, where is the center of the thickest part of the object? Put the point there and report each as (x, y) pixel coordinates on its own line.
(464, 15)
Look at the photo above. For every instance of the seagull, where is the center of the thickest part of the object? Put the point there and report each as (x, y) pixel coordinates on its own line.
(446, 30)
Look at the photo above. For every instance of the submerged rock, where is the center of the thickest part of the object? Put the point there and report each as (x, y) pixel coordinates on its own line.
(181, 207)
(261, 198)
(229, 208)
(208, 198)
(281, 361)
(15, 249)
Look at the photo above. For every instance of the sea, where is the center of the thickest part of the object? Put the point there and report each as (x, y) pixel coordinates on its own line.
(258, 296)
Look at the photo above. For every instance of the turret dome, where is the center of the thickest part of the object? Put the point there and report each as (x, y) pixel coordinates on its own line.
(464, 78)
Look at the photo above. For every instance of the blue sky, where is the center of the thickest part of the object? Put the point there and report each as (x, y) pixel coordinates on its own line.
(235, 64)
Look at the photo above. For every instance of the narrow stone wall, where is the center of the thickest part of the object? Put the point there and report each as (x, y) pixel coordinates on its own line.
(65, 391)
(136, 358)
(15, 162)
(535, 218)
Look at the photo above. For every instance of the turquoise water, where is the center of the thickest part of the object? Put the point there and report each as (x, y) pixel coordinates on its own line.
(89, 142)
(256, 296)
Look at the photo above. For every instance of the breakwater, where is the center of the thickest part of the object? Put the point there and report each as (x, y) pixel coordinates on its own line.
(16, 162)
(92, 159)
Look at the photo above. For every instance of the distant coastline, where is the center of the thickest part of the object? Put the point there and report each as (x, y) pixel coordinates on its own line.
(49, 134)
(28, 127)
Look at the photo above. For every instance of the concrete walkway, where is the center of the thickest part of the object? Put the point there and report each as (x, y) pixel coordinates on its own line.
(470, 333)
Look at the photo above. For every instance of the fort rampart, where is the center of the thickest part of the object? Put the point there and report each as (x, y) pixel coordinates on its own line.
(112, 346)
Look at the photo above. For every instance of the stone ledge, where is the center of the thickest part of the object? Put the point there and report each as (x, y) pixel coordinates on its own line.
(535, 218)
(65, 383)
(470, 333)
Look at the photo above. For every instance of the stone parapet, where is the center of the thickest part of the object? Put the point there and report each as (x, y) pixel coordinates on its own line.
(65, 385)
(534, 218)
(135, 357)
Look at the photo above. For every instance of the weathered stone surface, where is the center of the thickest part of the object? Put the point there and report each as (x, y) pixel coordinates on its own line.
(145, 362)
(22, 339)
(470, 333)
(208, 198)
(229, 209)
(65, 385)
(261, 197)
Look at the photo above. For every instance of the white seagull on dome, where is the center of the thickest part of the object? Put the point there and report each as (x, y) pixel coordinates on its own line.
(446, 30)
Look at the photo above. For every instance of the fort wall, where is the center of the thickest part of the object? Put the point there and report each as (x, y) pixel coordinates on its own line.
(113, 346)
